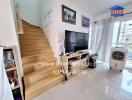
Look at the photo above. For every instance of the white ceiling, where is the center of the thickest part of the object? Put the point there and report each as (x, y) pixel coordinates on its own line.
(97, 7)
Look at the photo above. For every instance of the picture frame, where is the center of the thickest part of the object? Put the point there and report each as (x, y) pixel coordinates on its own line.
(85, 22)
(68, 15)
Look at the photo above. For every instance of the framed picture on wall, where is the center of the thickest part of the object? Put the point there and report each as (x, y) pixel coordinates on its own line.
(85, 22)
(68, 15)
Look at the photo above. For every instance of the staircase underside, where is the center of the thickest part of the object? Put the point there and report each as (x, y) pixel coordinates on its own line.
(38, 61)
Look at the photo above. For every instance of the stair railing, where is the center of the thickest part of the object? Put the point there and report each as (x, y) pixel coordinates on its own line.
(19, 20)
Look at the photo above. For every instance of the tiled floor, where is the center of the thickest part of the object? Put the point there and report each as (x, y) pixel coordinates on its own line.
(98, 84)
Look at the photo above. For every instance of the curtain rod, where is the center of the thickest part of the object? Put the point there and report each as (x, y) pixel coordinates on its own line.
(123, 15)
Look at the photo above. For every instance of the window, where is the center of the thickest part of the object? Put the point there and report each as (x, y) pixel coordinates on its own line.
(126, 32)
(122, 36)
(115, 34)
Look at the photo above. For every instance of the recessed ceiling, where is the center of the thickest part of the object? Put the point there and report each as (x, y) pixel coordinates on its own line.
(97, 7)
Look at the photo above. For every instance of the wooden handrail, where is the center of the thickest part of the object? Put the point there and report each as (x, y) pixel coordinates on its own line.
(19, 20)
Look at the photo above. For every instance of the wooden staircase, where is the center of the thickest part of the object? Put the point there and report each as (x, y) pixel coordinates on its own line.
(38, 62)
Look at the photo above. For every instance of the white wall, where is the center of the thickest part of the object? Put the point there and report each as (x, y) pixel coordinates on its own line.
(66, 26)
(52, 29)
(8, 36)
(56, 31)
(128, 9)
(30, 11)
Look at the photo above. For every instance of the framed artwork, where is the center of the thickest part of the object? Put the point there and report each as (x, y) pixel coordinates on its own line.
(85, 21)
(68, 15)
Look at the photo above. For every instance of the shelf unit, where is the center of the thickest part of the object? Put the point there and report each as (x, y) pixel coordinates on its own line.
(12, 72)
(10, 69)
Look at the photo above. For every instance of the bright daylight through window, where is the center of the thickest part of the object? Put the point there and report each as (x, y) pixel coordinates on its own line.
(122, 36)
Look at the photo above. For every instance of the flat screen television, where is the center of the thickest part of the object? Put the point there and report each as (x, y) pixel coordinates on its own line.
(75, 41)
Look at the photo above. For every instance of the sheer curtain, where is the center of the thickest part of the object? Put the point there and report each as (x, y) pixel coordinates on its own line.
(101, 41)
(97, 28)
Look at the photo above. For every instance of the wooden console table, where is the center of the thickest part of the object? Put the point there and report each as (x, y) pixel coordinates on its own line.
(79, 58)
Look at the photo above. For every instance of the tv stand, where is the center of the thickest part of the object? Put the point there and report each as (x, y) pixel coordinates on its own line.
(70, 61)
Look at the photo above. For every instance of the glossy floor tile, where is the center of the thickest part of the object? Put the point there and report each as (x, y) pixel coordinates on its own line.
(98, 84)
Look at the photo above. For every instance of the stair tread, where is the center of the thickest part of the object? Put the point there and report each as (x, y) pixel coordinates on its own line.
(44, 70)
(24, 42)
(33, 77)
(42, 54)
(33, 48)
(33, 36)
(29, 40)
(39, 46)
(33, 58)
(39, 56)
(36, 55)
(42, 83)
(39, 62)
(45, 49)
(34, 52)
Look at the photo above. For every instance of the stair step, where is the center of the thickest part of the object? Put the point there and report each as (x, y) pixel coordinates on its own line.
(34, 58)
(38, 43)
(42, 86)
(29, 35)
(30, 26)
(43, 47)
(33, 53)
(37, 46)
(37, 50)
(33, 33)
(24, 41)
(44, 53)
(33, 38)
(34, 49)
(31, 67)
(33, 77)
(31, 29)
(41, 44)
(41, 62)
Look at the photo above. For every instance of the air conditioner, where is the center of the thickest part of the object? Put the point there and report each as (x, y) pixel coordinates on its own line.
(118, 58)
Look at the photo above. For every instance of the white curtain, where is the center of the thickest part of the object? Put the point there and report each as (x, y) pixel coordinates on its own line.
(102, 38)
(5, 88)
(96, 35)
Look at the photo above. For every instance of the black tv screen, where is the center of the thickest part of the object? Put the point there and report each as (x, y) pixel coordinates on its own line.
(75, 41)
